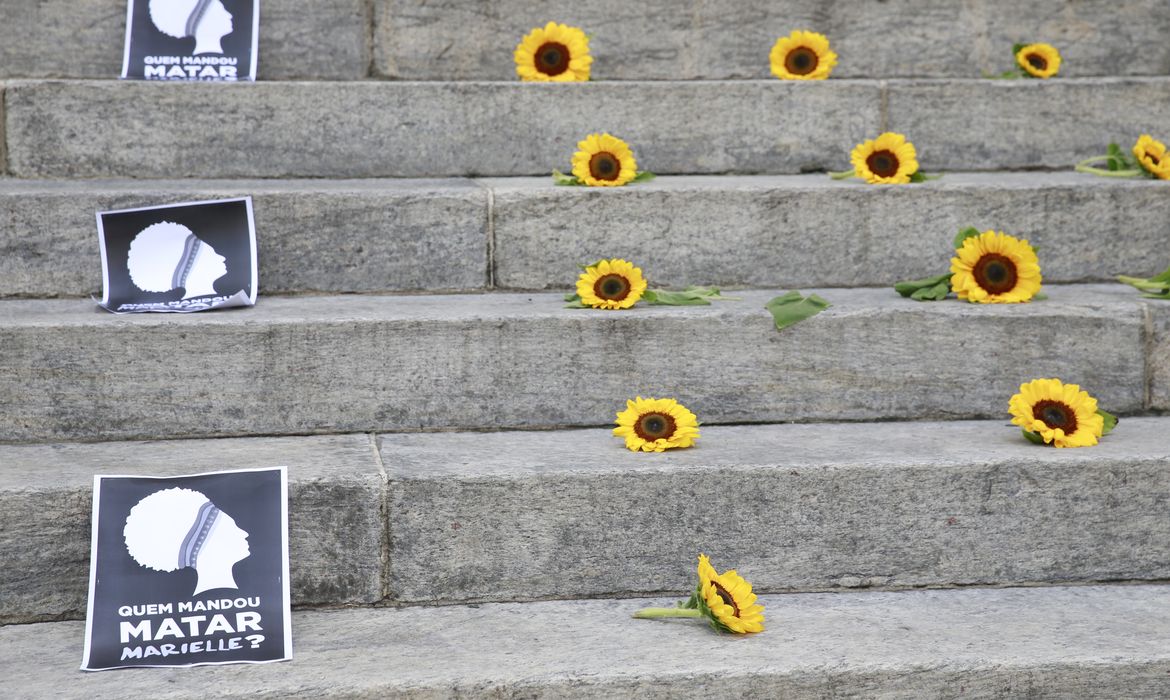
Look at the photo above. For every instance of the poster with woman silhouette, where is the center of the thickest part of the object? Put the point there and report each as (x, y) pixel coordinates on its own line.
(189, 570)
(179, 257)
(191, 39)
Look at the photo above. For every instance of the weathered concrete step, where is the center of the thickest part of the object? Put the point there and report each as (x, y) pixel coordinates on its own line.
(359, 363)
(119, 129)
(658, 39)
(336, 527)
(1034, 642)
(314, 235)
(735, 231)
(317, 39)
(802, 507)
(651, 40)
(530, 515)
(807, 230)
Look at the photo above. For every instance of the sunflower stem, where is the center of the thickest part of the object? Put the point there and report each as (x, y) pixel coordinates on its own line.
(659, 613)
(1084, 167)
(843, 175)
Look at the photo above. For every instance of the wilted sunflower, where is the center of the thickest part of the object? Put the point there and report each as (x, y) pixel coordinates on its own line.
(994, 268)
(1151, 153)
(802, 56)
(1039, 60)
(604, 161)
(1059, 413)
(728, 602)
(554, 53)
(611, 284)
(887, 160)
(654, 425)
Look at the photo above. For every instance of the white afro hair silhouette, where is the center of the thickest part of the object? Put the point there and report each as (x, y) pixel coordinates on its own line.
(175, 17)
(158, 524)
(154, 254)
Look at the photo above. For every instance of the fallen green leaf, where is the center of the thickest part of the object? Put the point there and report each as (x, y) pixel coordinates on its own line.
(572, 296)
(644, 176)
(1110, 421)
(791, 307)
(560, 178)
(964, 234)
(927, 289)
(1033, 437)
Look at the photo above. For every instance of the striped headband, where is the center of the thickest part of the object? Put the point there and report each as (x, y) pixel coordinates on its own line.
(186, 261)
(197, 535)
(196, 15)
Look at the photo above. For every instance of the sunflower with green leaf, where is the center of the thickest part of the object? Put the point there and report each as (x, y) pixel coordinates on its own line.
(725, 600)
(656, 425)
(890, 159)
(1149, 160)
(603, 160)
(1051, 412)
(989, 267)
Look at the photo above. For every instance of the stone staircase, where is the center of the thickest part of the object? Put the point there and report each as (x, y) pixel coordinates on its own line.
(453, 484)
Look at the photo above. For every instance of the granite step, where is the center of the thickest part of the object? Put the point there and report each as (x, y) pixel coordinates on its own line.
(363, 129)
(652, 40)
(460, 517)
(388, 235)
(329, 364)
(997, 643)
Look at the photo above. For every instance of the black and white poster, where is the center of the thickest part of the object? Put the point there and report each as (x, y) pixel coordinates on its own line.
(189, 570)
(179, 257)
(191, 39)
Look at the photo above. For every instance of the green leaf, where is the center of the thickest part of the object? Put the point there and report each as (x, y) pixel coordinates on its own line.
(791, 308)
(1156, 287)
(927, 289)
(644, 176)
(576, 305)
(1040, 296)
(560, 178)
(918, 177)
(662, 297)
(572, 296)
(1033, 437)
(591, 265)
(1016, 48)
(1110, 421)
(964, 234)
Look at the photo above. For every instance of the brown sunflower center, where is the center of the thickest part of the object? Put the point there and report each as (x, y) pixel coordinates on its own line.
(552, 58)
(655, 426)
(612, 287)
(1056, 415)
(1036, 61)
(995, 273)
(883, 163)
(1153, 158)
(604, 166)
(801, 61)
(728, 599)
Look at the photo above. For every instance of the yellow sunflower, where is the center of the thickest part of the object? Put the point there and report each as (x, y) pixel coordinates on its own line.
(728, 601)
(994, 268)
(604, 161)
(611, 284)
(1151, 153)
(1059, 413)
(1039, 60)
(654, 425)
(802, 56)
(887, 160)
(555, 53)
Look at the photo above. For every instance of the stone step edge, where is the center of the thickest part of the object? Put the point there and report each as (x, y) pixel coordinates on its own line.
(1107, 641)
(418, 510)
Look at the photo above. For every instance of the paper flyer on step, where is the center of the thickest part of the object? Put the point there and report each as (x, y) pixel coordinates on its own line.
(189, 570)
(191, 39)
(178, 258)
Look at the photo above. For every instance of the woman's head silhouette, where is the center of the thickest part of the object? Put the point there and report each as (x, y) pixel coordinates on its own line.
(166, 256)
(179, 528)
(206, 20)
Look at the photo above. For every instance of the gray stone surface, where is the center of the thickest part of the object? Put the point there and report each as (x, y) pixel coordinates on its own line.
(1043, 642)
(997, 124)
(335, 524)
(319, 39)
(336, 236)
(1159, 312)
(807, 230)
(507, 516)
(673, 40)
(371, 129)
(356, 363)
